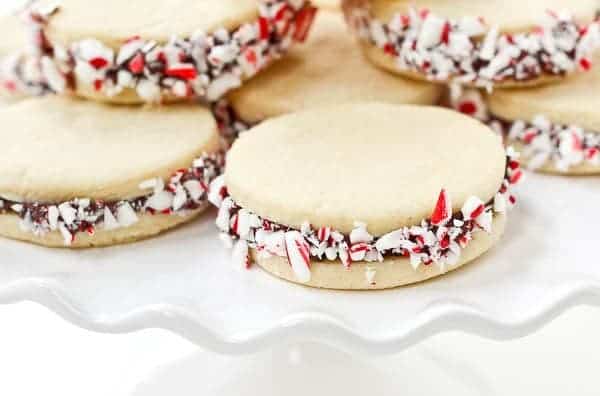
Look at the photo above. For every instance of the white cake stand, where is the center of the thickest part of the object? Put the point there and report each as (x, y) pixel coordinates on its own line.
(185, 282)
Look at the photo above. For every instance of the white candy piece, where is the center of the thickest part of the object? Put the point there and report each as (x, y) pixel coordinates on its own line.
(431, 32)
(110, 222)
(160, 201)
(68, 213)
(126, 215)
(240, 254)
(53, 214)
(214, 191)
(360, 234)
(298, 255)
(194, 188)
(472, 205)
(66, 234)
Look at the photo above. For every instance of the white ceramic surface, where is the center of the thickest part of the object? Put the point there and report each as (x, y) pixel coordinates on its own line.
(185, 282)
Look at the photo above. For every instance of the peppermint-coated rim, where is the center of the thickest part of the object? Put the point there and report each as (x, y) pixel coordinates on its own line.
(442, 49)
(438, 240)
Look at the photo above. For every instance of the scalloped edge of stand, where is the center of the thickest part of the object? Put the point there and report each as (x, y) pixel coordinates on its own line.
(308, 326)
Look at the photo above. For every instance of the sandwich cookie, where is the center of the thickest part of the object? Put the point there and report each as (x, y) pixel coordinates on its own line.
(365, 196)
(555, 127)
(150, 50)
(80, 174)
(477, 43)
(328, 69)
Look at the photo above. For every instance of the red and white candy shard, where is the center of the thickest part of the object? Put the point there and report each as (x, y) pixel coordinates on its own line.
(205, 66)
(444, 49)
(443, 209)
(469, 102)
(438, 240)
(298, 254)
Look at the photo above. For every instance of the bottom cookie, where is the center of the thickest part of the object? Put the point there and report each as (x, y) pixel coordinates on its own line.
(391, 273)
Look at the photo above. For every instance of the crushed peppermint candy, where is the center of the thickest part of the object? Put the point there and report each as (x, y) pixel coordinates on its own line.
(469, 52)
(469, 101)
(542, 142)
(438, 240)
(230, 125)
(185, 191)
(21, 74)
(201, 66)
(564, 146)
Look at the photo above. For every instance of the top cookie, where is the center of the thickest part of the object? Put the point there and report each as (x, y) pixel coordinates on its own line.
(115, 21)
(508, 15)
(328, 69)
(380, 164)
(574, 102)
(78, 149)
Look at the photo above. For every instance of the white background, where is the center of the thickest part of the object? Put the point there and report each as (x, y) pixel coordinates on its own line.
(40, 354)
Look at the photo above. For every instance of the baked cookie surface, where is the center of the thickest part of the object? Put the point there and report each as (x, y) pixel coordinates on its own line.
(327, 69)
(116, 21)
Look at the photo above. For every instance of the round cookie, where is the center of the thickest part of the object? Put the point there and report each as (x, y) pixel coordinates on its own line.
(328, 69)
(367, 184)
(484, 44)
(117, 174)
(556, 127)
(149, 51)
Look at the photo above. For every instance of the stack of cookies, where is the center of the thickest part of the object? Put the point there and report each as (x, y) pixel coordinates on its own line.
(334, 180)
(342, 169)
(119, 147)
